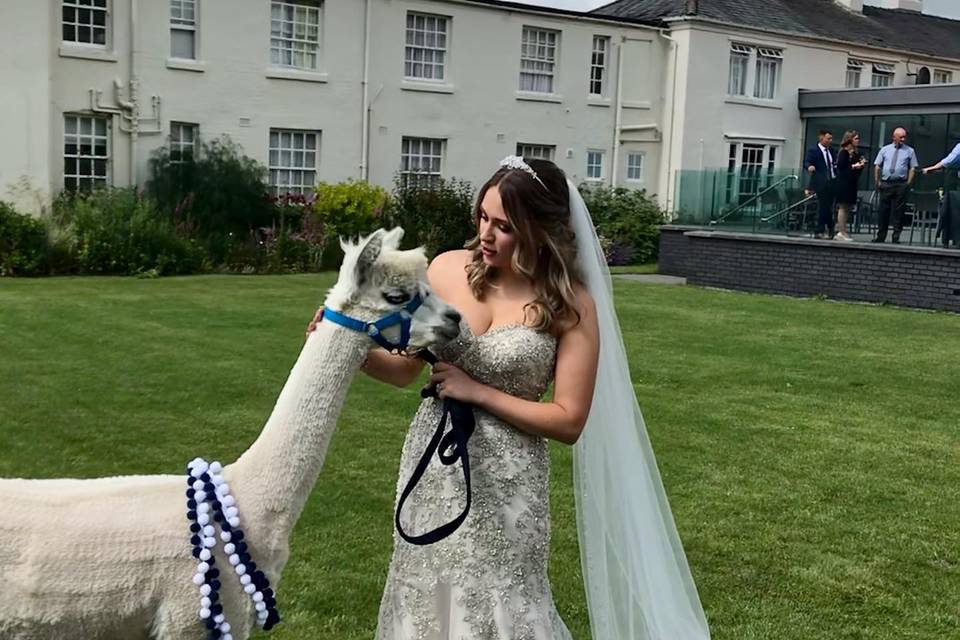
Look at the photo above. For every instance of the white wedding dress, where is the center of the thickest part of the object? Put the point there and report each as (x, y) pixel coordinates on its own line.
(488, 580)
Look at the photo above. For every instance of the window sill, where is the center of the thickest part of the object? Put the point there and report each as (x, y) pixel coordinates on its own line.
(428, 87)
(595, 101)
(296, 74)
(182, 64)
(754, 102)
(637, 104)
(534, 96)
(87, 53)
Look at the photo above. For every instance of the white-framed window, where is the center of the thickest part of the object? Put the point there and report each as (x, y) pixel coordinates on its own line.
(426, 51)
(769, 62)
(542, 151)
(295, 35)
(598, 65)
(594, 164)
(183, 29)
(85, 22)
(854, 69)
(293, 160)
(942, 76)
(538, 59)
(882, 75)
(421, 158)
(751, 167)
(183, 141)
(739, 65)
(86, 152)
(635, 166)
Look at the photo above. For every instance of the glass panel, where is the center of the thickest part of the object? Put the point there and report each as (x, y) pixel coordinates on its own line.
(182, 44)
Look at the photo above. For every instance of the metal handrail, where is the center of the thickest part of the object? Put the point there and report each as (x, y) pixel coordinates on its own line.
(744, 204)
(791, 207)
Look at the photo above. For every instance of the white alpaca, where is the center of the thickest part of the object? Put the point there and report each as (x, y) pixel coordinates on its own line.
(110, 558)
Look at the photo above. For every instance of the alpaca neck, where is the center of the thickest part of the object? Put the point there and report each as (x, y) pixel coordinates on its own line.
(273, 478)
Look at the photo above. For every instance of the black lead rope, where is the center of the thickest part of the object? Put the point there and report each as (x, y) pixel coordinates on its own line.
(449, 448)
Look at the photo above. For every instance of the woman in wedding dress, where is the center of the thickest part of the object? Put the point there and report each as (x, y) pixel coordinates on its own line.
(527, 288)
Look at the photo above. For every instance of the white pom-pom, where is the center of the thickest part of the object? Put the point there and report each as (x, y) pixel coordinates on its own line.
(245, 580)
(203, 507)
(198, 485)
(262, 616)
(226, 536)
(234, 522)
(228, 501)
(217, 480)
(198, 579)
(219, 618)
(240, 569)
(205, 554)
(203, 519)
(209, 531)
(260, 606)
(215, 467)
(229, 548)
(205, 589)
(223, 489)
(209, 542)
(205, 602)
(198, 468)
(204, 613)
(203, 567)
(231, 512)
(225, 627)
(234, 559)
(258, 597)
(226, 636)
(200, 496)
(250, 589)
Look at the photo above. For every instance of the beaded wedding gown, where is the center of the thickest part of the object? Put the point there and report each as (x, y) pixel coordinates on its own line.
(488, 580)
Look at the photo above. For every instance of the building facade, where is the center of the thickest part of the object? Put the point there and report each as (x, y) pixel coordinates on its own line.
(636, 93)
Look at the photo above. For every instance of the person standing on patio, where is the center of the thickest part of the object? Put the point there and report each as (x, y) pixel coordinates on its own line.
(948, 226)
(893, 172)
(850, 164)
(821, 166)
(952, 161)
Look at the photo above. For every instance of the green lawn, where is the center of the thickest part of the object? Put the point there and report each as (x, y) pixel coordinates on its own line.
(810, 449)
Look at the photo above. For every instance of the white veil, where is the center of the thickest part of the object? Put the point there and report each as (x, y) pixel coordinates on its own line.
(635, 573)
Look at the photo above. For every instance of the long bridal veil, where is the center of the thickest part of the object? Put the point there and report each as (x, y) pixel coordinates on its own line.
(635, 572)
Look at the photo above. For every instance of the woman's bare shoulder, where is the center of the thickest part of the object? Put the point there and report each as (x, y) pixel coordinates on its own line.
(446, 270)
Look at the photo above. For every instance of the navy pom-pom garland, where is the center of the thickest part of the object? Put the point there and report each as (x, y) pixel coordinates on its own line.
(209, 504)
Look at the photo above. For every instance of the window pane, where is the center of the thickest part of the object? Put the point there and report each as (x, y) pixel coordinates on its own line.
(182, 44)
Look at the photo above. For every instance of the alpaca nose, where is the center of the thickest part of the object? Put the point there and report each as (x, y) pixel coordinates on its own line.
(453, 315)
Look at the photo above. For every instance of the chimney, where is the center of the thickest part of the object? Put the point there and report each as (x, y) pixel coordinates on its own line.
(906, 5)
(853, 5)
(693, 7)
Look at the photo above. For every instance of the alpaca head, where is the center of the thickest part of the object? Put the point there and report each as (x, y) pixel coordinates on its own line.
(377, 279)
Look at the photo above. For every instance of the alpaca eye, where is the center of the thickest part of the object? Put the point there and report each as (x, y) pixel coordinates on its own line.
(397, 297)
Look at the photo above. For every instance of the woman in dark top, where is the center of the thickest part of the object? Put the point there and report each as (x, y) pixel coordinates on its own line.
(850, 164)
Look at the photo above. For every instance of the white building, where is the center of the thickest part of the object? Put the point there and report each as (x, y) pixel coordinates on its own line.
(333, 89)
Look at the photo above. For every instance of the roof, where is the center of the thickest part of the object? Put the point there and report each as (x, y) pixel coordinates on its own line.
(875, 27)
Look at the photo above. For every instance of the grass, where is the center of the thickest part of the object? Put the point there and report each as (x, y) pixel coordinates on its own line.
(634, 268)
(810, 449)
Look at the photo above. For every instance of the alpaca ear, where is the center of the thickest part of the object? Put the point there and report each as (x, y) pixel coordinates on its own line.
(370, 248)
(393, 237)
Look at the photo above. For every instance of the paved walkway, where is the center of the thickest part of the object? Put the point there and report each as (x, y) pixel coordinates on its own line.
(651, 278)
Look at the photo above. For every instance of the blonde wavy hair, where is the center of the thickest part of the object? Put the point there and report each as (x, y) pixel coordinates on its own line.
(546, 250)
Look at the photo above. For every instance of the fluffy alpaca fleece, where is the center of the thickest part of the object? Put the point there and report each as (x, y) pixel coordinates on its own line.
(110, 558)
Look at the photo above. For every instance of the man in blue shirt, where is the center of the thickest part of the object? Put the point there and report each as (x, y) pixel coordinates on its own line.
(893, 172)
(952, 161)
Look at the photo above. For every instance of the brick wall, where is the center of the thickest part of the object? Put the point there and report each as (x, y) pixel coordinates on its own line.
(897, 274)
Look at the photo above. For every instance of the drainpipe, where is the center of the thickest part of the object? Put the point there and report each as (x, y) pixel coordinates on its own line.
(365, 100)
(134, 94)
(618, 114)
(675, 47)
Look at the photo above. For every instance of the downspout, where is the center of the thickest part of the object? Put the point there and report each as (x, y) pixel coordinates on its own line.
(674, 46)
(618, 114)
(134, 96)
(365, 100)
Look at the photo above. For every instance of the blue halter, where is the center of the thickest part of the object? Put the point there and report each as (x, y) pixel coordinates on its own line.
(403, 317)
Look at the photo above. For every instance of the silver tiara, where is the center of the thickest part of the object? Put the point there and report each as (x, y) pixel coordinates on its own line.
(516, 162)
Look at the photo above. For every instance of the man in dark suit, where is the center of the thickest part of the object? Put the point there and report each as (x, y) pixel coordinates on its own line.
(821, 165)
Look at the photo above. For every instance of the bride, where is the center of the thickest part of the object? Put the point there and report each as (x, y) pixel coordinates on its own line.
(534, 293)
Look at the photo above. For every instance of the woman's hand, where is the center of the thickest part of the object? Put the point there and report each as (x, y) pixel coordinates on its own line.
(313, 323)
(452, 382)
